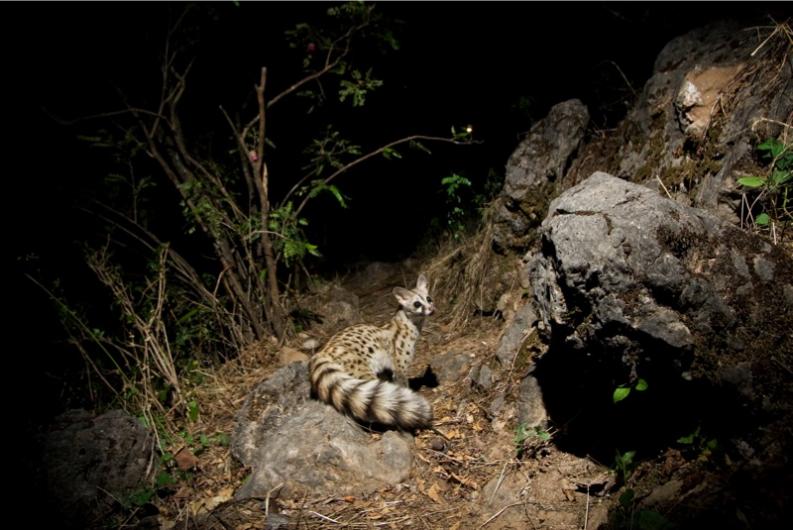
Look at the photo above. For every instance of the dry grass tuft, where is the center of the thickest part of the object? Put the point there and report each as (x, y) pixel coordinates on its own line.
(460, 271)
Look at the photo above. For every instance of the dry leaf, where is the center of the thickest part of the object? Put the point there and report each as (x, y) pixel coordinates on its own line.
(435, 494)
(454, 433)
(214, 502)
(185, 459)
(198, 507)
(465, 481)
(184, 492)
(227, 493)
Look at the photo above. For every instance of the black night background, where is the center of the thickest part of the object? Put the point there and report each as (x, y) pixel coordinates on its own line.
(494, 66)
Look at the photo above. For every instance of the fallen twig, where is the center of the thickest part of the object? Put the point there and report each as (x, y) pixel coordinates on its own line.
(502, 510)
(326, 518)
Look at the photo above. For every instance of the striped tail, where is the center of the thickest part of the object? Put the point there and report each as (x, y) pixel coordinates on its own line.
(370, 401)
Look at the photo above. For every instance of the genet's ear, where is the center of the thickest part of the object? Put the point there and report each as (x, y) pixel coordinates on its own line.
(403, 296)
(421, 284)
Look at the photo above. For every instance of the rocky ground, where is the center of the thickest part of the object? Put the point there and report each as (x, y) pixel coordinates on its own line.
(471, 474)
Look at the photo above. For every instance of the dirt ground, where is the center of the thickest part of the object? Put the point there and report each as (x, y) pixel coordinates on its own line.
(467, 475)
(472, 472)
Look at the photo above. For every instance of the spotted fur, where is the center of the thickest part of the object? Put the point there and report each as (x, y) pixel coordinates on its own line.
(362, 370)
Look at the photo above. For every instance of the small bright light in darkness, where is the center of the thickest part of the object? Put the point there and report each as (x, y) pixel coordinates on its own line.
(469, 129)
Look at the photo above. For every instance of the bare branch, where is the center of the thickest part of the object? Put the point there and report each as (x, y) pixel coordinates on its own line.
(110, 114)
(373, 153)
(262, 115)
(330, 64)
(244, 156)
(261, 180)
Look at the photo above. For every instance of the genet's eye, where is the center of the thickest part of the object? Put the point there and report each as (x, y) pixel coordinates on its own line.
(416, 304)
(429, 299)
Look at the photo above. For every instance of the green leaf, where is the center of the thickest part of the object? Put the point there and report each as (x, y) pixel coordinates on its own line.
(313, 250)
(141, 497)
(420, 146)
(521, 435)
(751, 182)
(641, 385)
(779, 177)
(390, 153)
(165, 479)
(625, 459)
(192, 411)
(627, 498)
(687, 440)
(773, 146)
(623, 462)
(389, 38)
(336, 193)
(620, 393)
(785, 161)
(762, 219)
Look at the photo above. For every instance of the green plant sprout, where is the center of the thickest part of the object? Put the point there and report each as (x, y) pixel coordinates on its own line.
(623, 391)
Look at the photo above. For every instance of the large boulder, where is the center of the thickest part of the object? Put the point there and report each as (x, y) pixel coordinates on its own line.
(296, 446)
(534, 173)
(629, 284)
(715, 93)
(90, 462)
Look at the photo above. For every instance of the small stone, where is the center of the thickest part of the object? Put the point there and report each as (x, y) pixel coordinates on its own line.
(310, 344)
(485, 377)
(185, 459)
(437, 444)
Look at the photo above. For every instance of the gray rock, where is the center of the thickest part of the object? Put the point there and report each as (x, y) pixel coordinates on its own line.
(531, 407)
(481, 376)
(89, 460)
(515, 334)
(316, 450)
(266, 408)
(497, 405)
(341, 308)
(294, 445)
(534, 172)
(632, 276)
(277, 521)
(450, 366)
(708, 102)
